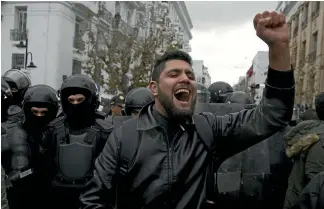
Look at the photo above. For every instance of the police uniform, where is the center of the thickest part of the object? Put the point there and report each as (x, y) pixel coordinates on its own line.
(74, 141)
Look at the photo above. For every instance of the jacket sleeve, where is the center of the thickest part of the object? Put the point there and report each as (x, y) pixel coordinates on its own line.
(236, 132)
(315, 160)
(101, 190)
(312, 195)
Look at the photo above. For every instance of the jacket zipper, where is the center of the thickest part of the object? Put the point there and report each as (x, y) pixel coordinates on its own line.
(170, 158)
(170, 152)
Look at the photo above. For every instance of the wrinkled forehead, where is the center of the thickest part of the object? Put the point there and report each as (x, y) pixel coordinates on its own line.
(179, 65)
(39, 109)
(68, 92)
(76, 96)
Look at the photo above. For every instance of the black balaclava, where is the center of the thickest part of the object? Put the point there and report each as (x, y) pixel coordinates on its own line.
(79, 115)
(137, 98)
(41, 96)
(19, 83)
(6, 99)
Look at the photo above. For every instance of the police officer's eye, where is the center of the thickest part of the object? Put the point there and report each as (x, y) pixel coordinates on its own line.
(81, 100)
(14, 90)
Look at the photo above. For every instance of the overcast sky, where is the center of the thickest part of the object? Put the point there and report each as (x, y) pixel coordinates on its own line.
(224, 37)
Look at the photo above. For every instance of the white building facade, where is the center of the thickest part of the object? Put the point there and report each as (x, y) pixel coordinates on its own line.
(201, 72)
(52, 30)
(260, 69)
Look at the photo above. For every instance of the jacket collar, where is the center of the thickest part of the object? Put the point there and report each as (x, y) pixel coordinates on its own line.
(146, 120)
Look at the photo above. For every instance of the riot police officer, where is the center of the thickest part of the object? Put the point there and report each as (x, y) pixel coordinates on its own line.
(24, 166)
(75, 140)
(19, 83)
(6, 99)
(116, 105)
(14, 84)
(219, 91)
(136, 99)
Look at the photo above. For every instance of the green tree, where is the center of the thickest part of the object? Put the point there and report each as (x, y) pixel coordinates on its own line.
(128, 54)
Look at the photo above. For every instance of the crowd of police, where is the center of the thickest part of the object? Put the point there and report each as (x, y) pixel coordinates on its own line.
(38, 126)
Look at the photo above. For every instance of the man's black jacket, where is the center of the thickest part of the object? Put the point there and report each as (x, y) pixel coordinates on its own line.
(173, 175)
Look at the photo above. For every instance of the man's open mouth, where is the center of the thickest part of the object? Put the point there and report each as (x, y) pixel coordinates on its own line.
(182, 95)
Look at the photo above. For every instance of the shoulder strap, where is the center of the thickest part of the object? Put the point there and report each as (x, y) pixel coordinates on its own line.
(206, 134)
(130, 140)
(204, 131)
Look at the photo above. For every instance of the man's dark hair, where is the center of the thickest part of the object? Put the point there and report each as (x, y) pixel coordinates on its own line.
(170, 55)
(319, 105)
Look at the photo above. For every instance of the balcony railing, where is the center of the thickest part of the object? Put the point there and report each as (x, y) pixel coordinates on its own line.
(18, 35)
(78, 43)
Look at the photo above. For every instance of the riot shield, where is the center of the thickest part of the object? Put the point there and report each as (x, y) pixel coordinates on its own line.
(229, 172)
(242, 176)
(219, 109)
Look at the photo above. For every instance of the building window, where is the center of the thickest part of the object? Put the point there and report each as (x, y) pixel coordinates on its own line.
(312, 55)
(78, 42)
(305, 16)
(21, 19)
(302, 54)
(289, 30)
(315, 42)
(18, 61)
(77, 27)
(76, 67)
(294, 55)
(296, 25)
(315, 8)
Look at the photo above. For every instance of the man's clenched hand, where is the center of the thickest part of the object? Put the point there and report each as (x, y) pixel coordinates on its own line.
(273, 30)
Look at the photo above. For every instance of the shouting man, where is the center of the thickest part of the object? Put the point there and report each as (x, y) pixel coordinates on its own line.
(161, 158)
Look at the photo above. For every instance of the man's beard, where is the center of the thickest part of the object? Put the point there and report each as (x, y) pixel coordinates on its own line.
(172, 111)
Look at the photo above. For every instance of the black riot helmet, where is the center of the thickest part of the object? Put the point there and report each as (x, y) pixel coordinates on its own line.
(136, 99)
(219, 91)
(5, 88)
(40, 96)
(239, 97)
(203, 94)
(6, 99)
(18, 82)
(79, 84)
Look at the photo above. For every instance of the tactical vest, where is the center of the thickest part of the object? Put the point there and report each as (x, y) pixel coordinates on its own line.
(76, 154)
